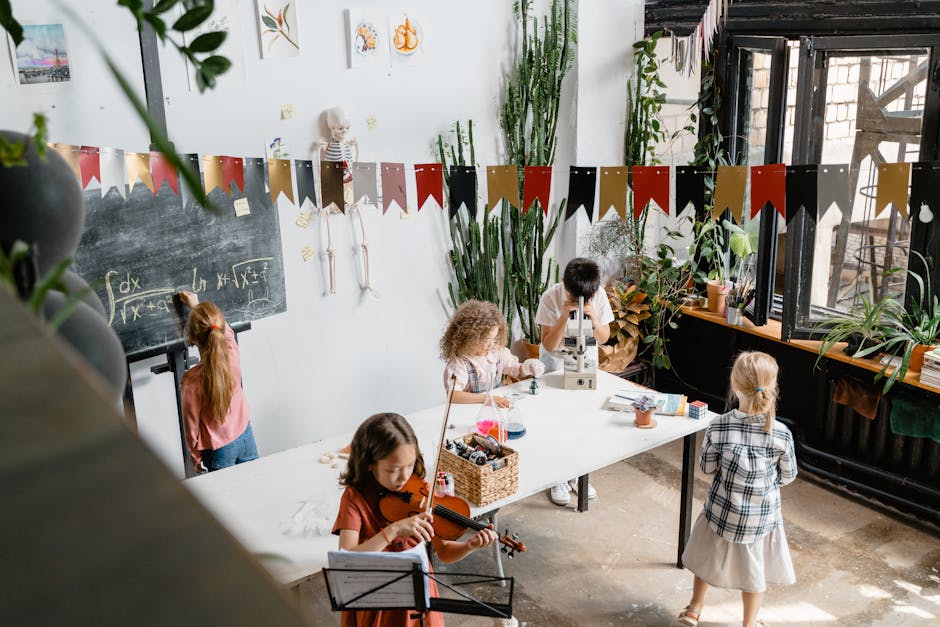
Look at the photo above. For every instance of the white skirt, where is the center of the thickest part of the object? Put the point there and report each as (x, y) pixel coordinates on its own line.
(747, 567)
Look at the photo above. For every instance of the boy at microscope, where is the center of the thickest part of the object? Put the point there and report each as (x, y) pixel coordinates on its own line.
(582, 277)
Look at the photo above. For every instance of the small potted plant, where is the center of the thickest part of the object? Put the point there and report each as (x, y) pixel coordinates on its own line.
(644, 406)
(708, 248)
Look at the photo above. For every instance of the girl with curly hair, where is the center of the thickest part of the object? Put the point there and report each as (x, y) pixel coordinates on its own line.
(474, 346)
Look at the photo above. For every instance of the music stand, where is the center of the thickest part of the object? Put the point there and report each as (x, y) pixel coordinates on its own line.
(376, 597)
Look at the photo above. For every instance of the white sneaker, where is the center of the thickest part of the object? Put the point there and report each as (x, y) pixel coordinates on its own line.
(592, 493)
(560, 494)
(505, 622)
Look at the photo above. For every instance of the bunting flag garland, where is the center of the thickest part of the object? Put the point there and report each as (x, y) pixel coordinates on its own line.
(769, 185)
(89, 164)
(650, 183)
(111, 163)
(690, 188)
(191, 161)
(502, 181)
(72, 156)
(211, 173)
(163, 170)
(463, 189)
(429, 181)
(730, 184)
(832, 186)
(925, 190)
(393, 186)
(613, 191)
(581, 184)
(364, 187)
(138, 168)
(306, 188)
(801, 191)
(233, 171)
(537, 185)
(331, 185)
(686, 51)
(279, 177)
(892, 187)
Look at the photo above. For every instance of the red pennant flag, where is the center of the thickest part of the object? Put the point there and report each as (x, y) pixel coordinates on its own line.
(537, 185)
(233, 169)
(429, 180)
(769, 184)
(162, 170)
(89, 164)
(650, 182)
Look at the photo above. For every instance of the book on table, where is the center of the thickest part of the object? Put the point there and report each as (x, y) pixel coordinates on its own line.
(664, 403)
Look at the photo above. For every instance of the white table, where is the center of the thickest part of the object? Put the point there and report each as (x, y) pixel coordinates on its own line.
(569, 433)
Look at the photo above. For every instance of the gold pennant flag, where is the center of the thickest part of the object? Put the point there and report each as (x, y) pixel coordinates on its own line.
(729, 190)
(279, 175)
(72, 155)
(137, 165)
(212, 172)
(892, 187)
(502, 181)
(614, 191)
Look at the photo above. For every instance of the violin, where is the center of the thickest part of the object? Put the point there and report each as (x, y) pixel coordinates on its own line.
(451, 513)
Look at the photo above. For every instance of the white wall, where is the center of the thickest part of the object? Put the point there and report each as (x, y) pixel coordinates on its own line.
(332, 360)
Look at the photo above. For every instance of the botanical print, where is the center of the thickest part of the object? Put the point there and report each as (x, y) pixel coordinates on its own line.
(278, 28)
(42, 56)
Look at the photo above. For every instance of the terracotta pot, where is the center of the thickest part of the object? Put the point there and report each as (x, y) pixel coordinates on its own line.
(644, 418)
(531, 350)
(917, 357)
(717, 293)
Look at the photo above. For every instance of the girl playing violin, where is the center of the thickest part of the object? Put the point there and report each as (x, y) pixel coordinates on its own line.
(474, 345)
(383, 457)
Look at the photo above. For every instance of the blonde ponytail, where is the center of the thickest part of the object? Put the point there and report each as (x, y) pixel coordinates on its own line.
(754, 376)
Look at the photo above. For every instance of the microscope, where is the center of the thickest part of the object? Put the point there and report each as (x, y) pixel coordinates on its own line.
(580, 371)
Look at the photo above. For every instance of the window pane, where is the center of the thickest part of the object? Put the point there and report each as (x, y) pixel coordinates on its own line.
(873, 109)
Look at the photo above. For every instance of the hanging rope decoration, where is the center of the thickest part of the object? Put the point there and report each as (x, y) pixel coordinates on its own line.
(687, 51)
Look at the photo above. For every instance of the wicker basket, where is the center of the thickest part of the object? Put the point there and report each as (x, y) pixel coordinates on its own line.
(482, 485)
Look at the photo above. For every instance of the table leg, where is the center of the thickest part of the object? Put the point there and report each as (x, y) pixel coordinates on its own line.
(583, 493)
(496, 545)
(685, 499)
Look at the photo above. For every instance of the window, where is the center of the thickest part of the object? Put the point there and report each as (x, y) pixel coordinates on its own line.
(860, 101)
(855, 100)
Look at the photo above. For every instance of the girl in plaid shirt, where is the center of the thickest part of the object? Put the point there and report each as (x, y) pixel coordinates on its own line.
(738, 540)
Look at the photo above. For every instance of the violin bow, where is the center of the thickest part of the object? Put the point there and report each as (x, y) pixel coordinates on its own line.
(440, 448)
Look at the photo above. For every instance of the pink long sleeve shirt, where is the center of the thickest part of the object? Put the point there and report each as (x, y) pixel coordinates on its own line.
(201, 432)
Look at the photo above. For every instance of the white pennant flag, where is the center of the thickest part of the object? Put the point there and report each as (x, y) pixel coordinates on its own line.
(112, 170)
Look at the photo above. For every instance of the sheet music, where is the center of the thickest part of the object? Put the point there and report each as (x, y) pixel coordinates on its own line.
(362, 577)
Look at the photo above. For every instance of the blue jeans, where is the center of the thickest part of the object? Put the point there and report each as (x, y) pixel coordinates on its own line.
(241, 449)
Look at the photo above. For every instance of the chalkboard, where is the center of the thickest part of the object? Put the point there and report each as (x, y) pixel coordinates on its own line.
(137, 253)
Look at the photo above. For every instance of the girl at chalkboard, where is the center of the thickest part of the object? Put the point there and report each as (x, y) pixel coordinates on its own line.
(215, 414)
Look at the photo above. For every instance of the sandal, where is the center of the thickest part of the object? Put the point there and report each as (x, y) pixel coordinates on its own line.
(688, 617)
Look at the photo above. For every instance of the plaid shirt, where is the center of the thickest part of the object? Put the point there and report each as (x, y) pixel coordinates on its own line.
(750, 465)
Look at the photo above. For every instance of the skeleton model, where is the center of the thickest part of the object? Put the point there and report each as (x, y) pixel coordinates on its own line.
(344, 149)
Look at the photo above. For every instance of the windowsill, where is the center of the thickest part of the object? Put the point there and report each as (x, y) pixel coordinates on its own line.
(771, 331)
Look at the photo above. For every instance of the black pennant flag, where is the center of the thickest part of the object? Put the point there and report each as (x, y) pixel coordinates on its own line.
(690, 188)
(801, 191)
(463, 189)
(303, 170)
(581, 184)
(925, 188)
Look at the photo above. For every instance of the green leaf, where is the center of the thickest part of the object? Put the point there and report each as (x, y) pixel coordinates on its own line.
(9, 24)
(207, 42)
(193, 18)
(216, 64)
(270, 23)
(163, 6)
(158, 25)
